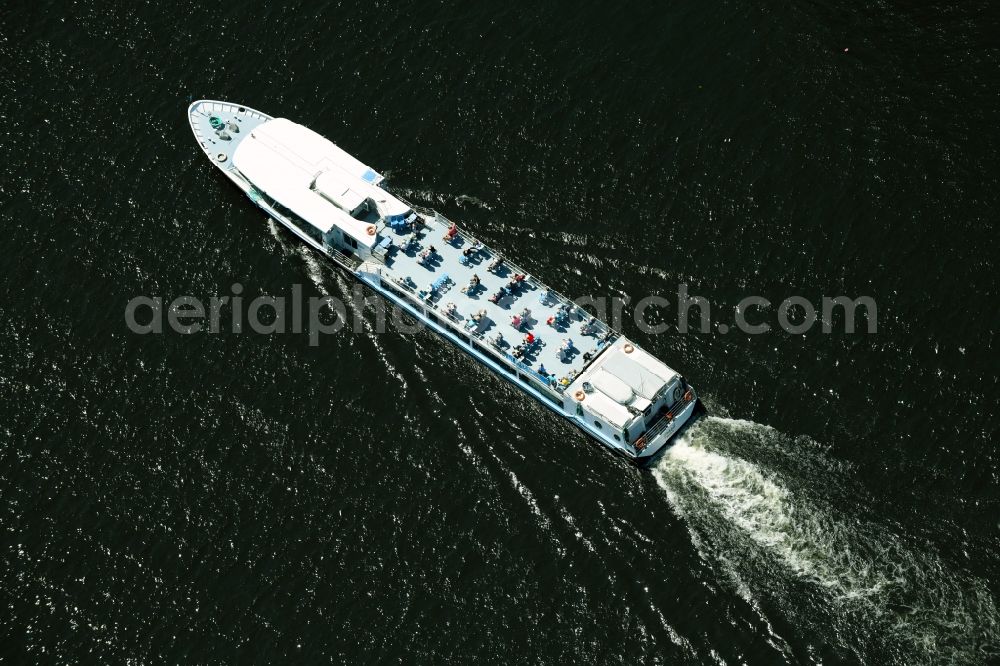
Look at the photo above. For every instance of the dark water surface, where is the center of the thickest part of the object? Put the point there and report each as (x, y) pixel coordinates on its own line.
(379, 498)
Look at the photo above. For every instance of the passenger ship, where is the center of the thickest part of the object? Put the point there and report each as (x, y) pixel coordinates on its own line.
(473, 296)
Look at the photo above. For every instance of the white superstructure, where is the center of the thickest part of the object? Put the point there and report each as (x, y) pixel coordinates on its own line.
(469, 293)
(291, 164)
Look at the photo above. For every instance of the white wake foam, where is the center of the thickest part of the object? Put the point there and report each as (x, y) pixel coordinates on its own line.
(774, 531)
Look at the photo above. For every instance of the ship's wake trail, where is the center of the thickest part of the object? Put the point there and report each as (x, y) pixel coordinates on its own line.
(785, 524)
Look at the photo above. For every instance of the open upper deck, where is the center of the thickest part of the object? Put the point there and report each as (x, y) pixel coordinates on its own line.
(522, 320)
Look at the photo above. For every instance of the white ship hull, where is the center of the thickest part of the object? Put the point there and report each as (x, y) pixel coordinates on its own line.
(617, 393)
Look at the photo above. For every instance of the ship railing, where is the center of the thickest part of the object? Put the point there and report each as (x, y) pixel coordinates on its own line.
(654, 430)
(267, 203)
(514, 269)
(601, 328)
(351, 262)
(446, 223)
(522, 370)
(443, 222)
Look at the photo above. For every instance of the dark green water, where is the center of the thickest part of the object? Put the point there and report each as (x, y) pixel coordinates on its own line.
(381, 498)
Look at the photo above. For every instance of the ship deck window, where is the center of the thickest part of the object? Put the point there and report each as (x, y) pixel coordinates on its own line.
(309, 229)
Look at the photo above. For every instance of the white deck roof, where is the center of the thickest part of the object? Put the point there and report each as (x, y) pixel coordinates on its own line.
(642, 372)
(284, 159)
(614, 375)
(312, 151)
(614, 388)
(337, 187)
